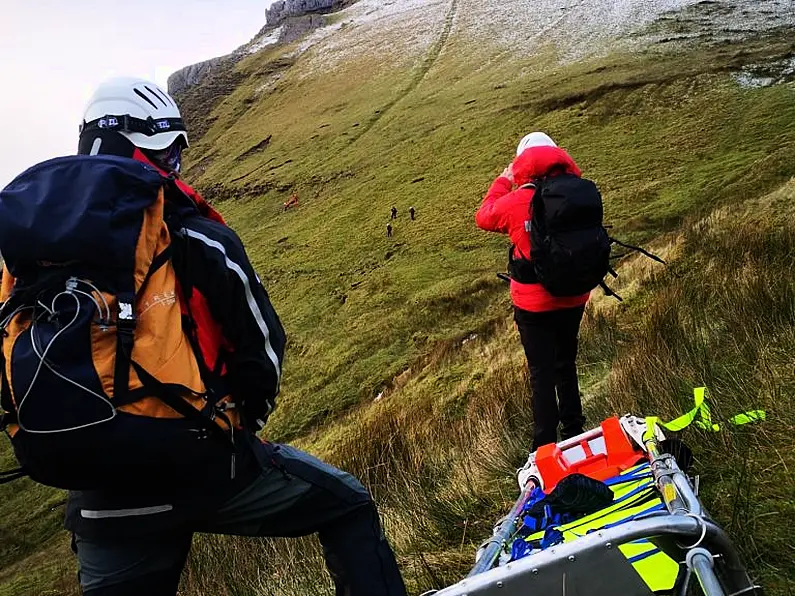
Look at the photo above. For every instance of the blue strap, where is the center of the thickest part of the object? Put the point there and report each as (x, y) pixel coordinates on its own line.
(645, 555)
(634, 492)
(520, 549)
(535, 524)
(640, 473)
(620, 480)
(651, 495)
(657, 507)
(552, 537)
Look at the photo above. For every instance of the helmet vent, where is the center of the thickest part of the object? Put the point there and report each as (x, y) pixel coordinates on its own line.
(157, 95)
(145, 98)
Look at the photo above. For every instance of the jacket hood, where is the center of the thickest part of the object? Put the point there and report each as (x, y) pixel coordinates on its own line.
(108, 142)
(537, 162)
(198, 201)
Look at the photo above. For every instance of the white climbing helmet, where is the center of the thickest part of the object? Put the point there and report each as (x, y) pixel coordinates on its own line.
(138, 109)
(534, 139)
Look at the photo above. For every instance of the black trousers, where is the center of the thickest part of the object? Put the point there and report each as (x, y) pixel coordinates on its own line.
(550, 344)
(295, 495)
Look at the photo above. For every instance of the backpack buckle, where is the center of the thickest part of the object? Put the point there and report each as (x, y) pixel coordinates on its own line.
(151, 126)
(125, 322)
(6, 418)
(126, 311)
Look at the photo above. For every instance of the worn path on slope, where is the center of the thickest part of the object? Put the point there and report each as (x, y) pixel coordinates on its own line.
(430, 59)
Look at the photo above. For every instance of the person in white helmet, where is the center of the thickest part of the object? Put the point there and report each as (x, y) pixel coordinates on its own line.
(136, 542)
(548, 325)
(140, 112)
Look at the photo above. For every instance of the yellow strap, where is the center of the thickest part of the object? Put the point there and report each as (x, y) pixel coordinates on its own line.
(748, 417)
(701, 416)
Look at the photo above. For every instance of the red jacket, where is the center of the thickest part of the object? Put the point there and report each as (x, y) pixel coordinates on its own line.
(506, 210)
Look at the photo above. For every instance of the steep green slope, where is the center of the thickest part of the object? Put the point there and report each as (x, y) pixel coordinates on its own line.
(420, 319)
(664, 135)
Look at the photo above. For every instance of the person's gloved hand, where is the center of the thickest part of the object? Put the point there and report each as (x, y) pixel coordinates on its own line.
(508, 173)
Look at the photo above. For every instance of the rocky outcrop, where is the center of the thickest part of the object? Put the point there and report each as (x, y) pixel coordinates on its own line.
(296, 27)
(287, 21)
(282, 9)
(197, 102)
(193, 74)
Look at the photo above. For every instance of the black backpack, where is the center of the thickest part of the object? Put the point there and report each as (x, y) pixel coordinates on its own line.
(569, 245)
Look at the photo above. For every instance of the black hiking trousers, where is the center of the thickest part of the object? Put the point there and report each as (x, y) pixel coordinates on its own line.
(295, 494)
(550, 343)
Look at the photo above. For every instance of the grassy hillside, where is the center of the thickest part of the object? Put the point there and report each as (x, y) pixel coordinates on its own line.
(681, 151)
(664, 135)
(689, 160)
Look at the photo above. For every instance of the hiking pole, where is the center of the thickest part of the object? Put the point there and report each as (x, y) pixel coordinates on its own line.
(639, 249)
(489, 551)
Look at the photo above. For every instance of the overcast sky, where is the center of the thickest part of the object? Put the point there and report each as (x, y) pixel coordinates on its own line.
(54, 52)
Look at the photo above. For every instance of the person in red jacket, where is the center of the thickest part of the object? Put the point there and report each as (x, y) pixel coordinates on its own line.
(548, 325)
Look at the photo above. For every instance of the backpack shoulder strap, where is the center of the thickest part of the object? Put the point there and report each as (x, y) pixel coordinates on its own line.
(536, 206)
(214, 383)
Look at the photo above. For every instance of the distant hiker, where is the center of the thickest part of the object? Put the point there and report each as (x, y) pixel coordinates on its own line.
(291, 202)
(389, 230)
(411, 213)
(548, 325)
(162, 358)
(394, 212)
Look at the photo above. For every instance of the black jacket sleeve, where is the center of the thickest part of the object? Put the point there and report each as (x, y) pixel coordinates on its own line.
(219, 268)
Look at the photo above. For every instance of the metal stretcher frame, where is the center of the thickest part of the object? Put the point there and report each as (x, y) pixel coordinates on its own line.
(593, 564)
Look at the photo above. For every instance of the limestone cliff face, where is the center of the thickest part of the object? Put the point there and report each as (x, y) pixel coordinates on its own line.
(292, 8)
(193, 74)
(294, 28)
(286, 21)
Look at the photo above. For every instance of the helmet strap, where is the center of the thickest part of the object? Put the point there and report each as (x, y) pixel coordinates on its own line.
(126, 123)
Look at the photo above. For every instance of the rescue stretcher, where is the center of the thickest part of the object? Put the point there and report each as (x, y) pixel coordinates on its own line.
(653, 538)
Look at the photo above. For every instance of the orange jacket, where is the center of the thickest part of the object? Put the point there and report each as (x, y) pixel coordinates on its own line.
(506, 210)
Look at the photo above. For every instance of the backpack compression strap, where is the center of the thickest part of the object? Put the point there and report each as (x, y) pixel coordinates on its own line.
(12, 475)
(638, 249)
(125, 330)
(170, 394)
(607, 290)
